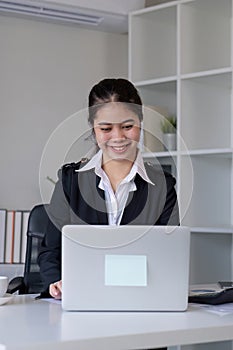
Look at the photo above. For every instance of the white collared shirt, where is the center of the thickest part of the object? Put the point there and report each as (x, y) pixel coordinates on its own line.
(115, 202)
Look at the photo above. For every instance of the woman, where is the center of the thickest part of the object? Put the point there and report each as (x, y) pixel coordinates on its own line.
(115, 187)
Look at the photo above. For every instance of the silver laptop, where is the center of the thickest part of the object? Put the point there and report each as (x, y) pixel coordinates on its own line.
(125, 268)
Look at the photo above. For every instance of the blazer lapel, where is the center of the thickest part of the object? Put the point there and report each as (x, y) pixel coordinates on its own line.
(88, 201)
(136, 201)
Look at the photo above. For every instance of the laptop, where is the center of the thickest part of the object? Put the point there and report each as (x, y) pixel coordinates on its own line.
(125, 268)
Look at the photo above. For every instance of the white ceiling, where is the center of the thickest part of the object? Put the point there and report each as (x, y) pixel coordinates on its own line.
(122, 7)
(114, 13)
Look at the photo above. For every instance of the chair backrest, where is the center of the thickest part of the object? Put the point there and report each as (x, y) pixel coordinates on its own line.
(37, 225)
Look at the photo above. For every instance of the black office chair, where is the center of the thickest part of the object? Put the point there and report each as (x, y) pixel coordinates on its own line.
(31, 282)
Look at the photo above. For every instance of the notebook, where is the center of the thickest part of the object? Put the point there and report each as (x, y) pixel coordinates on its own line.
(125, 268)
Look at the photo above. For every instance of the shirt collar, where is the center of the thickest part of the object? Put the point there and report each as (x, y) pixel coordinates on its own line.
(138, 166)
(94, 163)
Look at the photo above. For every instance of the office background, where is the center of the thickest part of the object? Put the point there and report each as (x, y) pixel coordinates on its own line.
(46, 71)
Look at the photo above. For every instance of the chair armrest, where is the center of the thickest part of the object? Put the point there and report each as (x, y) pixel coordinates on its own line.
(16, 284)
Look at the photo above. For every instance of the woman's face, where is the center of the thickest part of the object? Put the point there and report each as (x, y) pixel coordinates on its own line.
(117, 131)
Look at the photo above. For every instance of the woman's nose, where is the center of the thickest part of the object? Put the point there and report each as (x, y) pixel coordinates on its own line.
(117, 132)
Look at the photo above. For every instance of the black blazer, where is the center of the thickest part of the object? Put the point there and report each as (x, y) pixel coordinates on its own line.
(77, 199)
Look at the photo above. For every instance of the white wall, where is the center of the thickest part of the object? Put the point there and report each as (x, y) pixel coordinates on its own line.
(46, 72)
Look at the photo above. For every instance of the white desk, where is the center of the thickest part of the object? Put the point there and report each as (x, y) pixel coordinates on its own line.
(26, 324)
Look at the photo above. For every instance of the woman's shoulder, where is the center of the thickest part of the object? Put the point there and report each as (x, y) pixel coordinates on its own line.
(157, 171)
(73, 166)
(68, 172)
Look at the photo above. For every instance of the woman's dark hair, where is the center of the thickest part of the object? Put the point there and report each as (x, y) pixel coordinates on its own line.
(114, 90)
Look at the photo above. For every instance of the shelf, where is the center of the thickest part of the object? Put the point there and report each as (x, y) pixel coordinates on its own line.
(210, 257)
(211, 230)
(206, 111)
(153, 61)
(167, 160)
(156, 7)
(149, 155)
(161, 95)
(207, 200)
(207, 73)
(205, 34)
(147, 83)
(220, 152)
(181, 61)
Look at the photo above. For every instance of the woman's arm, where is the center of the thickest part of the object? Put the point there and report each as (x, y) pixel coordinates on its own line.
(170, 213)
(49, 258)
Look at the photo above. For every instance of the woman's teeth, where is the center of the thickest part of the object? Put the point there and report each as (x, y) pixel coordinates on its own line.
(119, 148)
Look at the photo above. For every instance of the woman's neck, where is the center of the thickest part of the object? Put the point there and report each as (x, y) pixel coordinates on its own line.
(116, 171)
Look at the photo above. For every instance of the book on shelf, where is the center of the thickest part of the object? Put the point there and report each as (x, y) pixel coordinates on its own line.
(13, 235)
(25, 217)
(17, 237)
(9, 236)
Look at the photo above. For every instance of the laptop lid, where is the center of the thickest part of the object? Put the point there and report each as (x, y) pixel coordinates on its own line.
(125, 268)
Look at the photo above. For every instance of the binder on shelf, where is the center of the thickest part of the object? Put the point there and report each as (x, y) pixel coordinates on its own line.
(17, 237)
(25, 217)
(3, 214)
(13, 235)
(9, 236)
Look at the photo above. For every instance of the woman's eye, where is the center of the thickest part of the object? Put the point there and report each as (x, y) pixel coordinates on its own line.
(107, 129)
(128, 126)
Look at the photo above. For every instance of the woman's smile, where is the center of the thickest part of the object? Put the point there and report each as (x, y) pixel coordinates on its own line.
(120, 148)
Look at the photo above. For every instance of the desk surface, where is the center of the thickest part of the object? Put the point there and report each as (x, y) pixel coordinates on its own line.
(26, 323)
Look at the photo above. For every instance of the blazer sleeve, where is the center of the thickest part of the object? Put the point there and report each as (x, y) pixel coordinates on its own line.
(170, 213)
(49, 258)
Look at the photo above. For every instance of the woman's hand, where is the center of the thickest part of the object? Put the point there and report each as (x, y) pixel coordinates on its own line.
(55, 289)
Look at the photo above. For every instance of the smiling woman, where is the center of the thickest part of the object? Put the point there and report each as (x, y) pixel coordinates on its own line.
(115, 115)
(117, 132)
(114, 187)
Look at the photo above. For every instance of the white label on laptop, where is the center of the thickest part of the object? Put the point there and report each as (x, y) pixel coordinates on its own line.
(125, 270)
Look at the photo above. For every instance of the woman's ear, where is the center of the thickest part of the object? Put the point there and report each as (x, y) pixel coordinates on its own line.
(141, 139)
(93, 136)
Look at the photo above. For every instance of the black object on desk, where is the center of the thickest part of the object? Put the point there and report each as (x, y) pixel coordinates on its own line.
(213, 298)
(225, 284)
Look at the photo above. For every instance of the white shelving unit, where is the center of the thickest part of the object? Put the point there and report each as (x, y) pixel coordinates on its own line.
(181, 59)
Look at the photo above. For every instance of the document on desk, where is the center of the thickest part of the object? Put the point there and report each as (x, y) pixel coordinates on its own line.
(221, 310)
(52, 300)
